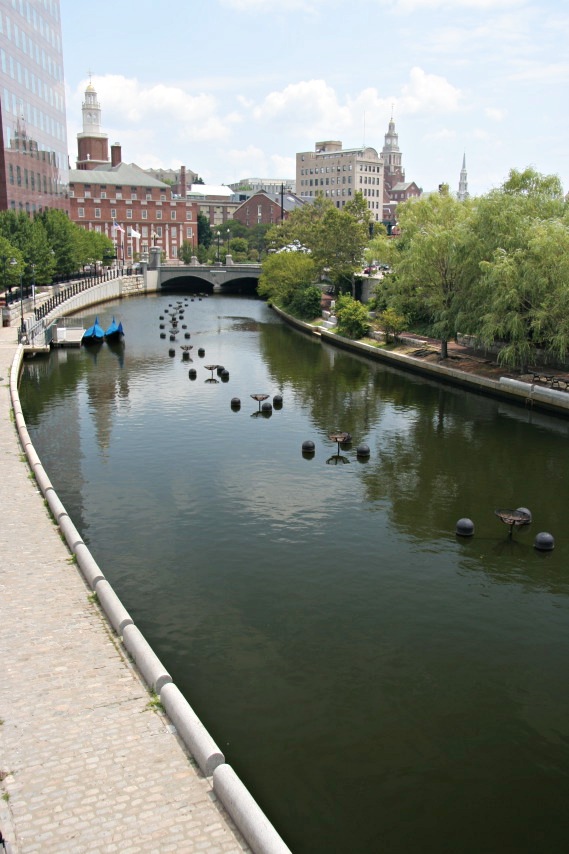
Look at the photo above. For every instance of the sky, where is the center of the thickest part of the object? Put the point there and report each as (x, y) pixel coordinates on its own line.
(233, 89)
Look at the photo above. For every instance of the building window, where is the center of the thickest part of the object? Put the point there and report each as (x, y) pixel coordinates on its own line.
(144, 214)
(113, 213)
(118, 195)
(129, 213)
(97, 213)
(81, 212)
(189, 232)
(158, 214)
(158, 231)
(188, 214)
(172, 214)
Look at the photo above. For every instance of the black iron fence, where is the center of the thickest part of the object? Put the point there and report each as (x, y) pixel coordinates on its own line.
(76, 286)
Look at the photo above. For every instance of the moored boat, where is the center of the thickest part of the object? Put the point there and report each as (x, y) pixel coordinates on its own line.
(94, 334)
(115, 332)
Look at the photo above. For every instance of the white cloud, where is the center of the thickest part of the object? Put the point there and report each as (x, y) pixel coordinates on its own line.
(428, 92)
(495, 114)
(191, 117)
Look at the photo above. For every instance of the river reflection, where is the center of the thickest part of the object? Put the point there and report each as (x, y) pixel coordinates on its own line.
(378, 683)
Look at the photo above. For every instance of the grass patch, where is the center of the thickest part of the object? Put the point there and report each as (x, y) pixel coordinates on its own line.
(92, 597)
(154, 704)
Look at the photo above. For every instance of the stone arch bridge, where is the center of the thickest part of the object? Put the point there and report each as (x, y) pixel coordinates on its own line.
(232, 278)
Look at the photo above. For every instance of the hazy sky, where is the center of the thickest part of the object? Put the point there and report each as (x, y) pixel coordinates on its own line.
(234, 88)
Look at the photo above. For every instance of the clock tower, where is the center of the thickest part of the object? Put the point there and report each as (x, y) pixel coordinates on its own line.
(92, 145)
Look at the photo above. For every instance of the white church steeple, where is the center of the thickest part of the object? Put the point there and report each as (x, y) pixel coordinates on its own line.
(462, 194)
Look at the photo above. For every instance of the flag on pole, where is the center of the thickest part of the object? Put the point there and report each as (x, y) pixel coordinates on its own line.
(134, 233)
(117, 226)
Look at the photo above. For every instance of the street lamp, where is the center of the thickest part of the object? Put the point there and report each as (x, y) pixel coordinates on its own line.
(218, 236)
(13, 263)
(33, 266)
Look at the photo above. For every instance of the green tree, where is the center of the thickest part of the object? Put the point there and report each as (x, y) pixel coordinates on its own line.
(62, 237)
(430, 263)
(283, 274)
(391, 323)
(205, 234)
(335, 238)
(306, 303)
(353, 317)
(186, 251)
(516, 248)
(238, 248)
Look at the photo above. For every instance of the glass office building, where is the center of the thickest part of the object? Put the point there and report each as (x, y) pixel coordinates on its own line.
(34, 165)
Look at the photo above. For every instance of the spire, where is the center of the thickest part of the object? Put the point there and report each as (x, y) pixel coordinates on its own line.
(91, 110)
(462, 194)
(392, 155)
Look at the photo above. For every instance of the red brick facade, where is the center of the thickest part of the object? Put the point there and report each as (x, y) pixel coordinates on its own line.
(127, 196)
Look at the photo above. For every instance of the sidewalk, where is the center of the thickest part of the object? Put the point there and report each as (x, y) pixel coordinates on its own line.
(86, 763)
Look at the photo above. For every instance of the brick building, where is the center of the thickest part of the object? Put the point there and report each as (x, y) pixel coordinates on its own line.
(266, 209)
(122, 201)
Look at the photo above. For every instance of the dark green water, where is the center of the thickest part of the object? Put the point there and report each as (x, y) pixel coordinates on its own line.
(379, 684)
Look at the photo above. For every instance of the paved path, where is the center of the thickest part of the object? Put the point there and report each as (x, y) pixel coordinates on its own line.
(86, 765)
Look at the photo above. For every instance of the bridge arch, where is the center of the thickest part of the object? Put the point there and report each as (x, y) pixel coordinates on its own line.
(238, 278)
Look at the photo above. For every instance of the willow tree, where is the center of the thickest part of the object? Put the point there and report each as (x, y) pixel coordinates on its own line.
(518, 248)
(429, 263)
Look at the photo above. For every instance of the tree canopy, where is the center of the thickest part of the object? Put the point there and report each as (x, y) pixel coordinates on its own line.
(495, 267)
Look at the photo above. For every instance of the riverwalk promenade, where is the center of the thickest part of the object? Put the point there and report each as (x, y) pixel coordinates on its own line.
(87, 762)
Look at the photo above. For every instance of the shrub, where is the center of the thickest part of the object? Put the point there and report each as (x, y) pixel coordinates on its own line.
(305, 303)
(353, 317)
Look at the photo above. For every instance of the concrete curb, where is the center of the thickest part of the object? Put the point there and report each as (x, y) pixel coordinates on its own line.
(246, 814)
(191, 730)
(258, 832)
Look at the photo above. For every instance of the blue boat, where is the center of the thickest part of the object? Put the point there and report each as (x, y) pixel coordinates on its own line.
(93, 335)
(115, 332)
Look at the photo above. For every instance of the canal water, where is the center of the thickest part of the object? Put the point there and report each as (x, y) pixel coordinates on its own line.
(379, 684)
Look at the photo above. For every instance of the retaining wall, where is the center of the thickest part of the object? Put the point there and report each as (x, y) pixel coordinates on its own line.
(257, 830)
(526, 394)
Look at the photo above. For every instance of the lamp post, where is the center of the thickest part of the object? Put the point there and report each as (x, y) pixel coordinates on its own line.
(4, 259)
(218, 236)
(33, 266)
(13, 263)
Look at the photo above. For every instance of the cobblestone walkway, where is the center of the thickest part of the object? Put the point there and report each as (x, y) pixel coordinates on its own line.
(86, 764)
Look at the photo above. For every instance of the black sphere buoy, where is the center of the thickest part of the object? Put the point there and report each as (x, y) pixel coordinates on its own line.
(266, 406)
(235, 403)
(162, 326)
(224, 375)
(220, 369)
(201, 352)
(184, 325)
(544, 542)
(277, 401)
(362, 451)
(161, 317)
(527, 512)
(186, 335)
(162, 335)
(465, 527)
(192, 373)
(186, 356)
(171, 352)
(308, 447)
